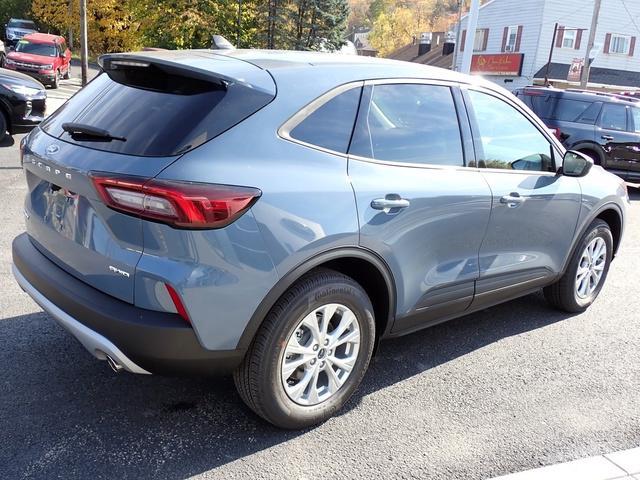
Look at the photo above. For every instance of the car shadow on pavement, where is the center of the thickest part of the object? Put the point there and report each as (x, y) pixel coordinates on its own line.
(65, 415)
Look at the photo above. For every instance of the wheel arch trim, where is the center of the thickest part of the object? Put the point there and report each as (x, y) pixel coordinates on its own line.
(588, 221)
(286, 281)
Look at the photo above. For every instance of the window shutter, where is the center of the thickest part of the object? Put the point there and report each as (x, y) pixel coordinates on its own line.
(505, 34)
(632, 46)
(463, 38)
(485, 40)
(578, 39)
(607, 43)
(518, 39)
(559, 37)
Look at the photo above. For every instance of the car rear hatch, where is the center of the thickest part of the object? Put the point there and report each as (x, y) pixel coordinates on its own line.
(132, 121)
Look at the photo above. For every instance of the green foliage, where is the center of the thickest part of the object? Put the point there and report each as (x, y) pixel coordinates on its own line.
(13, 9)
(124, 25)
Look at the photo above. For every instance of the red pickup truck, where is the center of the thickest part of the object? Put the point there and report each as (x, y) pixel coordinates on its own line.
(42, 56)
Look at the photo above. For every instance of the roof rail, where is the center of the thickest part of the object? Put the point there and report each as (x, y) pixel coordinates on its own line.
(605, 94)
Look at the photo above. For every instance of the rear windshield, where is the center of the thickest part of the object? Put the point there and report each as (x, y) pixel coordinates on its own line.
(43, 49)
(26, 24)
(154, 114)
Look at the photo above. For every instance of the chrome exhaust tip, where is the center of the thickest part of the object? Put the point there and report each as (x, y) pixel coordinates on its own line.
(116, 367)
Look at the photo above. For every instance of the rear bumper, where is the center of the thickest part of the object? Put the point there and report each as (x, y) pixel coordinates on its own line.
(139, 340)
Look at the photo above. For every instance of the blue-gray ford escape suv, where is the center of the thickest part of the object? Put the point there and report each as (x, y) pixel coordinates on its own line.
(276, 214)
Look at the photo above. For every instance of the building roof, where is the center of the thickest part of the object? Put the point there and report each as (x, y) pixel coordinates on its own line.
(435, 57)
(605, 76)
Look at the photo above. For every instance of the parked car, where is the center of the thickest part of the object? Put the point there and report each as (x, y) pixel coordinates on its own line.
(276, 214)
(42, 56)
(606, 127)
(17, 28)
(22, 102)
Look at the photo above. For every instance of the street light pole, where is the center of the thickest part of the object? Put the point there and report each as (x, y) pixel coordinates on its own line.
(239, 23)
(84, 48)
(70, 23)
(586, 68)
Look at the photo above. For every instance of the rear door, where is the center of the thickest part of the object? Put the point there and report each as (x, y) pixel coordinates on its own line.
(152, 116)
(534, 211)
(614, 133)
(419, 205)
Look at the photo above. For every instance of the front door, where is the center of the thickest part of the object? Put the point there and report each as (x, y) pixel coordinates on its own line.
(419, 206)
(534, 212)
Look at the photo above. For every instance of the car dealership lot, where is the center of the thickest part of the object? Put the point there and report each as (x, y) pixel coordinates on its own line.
(510, 388)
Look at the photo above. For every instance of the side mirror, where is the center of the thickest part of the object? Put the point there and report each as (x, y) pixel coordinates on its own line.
(575, 164)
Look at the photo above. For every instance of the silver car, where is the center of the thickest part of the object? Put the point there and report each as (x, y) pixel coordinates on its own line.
(276, 214)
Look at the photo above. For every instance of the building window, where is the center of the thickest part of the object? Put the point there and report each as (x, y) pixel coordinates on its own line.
(569, 39)
(620, 44)
(512, 38)
(480, 40)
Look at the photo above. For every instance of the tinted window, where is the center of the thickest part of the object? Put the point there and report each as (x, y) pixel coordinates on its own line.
(409, 123)
(161, 115)
(614, 117)
(330, 126)
(507, 138)
(636, 119)
(590, 115)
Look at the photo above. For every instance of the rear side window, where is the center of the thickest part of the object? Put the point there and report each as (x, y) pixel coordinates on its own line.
(636, 118)
(157, 114)
(590, 115)
(614, 117)
(555, 108)
(330, 126)
(409, 123)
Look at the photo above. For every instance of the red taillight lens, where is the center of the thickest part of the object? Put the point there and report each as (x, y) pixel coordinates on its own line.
(558, 133)
(179, 204)
(177, 302)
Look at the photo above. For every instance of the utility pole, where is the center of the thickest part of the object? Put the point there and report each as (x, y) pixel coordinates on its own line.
(472, 23)
(239, 26)
(70, 23)
(457, 45)
(553, 44)
(84, 48)
(586, 68)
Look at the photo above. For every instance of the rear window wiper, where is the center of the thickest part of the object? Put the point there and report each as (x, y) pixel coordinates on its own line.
(80, 129)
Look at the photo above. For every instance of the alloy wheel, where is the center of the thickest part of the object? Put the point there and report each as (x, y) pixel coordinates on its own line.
(591, 267)
(320, 354)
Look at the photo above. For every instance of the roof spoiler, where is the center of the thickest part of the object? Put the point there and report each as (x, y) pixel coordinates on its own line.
(214, 69)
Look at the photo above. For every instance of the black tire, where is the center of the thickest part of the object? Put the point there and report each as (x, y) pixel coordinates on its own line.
(3, 126)
(563, 294)
(67, 75)
(56, 81)
(2, 56)
(593, 155)
(258, 379)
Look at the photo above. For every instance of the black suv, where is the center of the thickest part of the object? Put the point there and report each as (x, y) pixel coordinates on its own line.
(604, 126)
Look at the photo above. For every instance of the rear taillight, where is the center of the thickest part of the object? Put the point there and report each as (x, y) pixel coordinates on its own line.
(557, 132)
(186, 205)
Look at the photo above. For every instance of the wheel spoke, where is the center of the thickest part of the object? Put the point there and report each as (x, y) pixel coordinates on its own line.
(353, 336)
(345, 364)
(334, 381)
(313, 387)
(311, 322)
(346, 321)
(292, 365)
(328, 311)
(296, 391)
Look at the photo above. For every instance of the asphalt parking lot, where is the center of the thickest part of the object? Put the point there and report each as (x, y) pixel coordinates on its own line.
(510, 388)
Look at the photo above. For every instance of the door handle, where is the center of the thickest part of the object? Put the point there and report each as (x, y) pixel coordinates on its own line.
(607, 137)
(390, 202)
(512, 200)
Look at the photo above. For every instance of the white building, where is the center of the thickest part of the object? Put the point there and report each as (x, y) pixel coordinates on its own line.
(525, 27)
